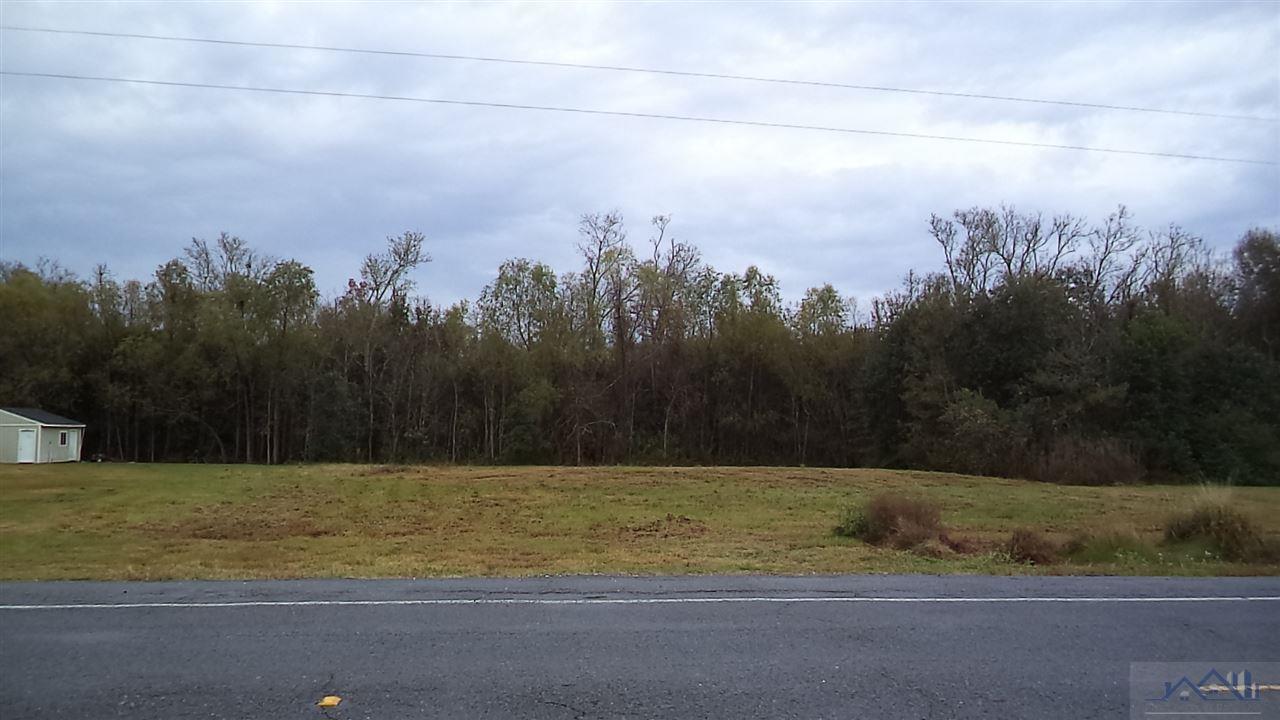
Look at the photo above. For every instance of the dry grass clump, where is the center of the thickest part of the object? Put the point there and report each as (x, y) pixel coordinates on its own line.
(1214, 519)
(899, 521)
(1030, 546)
(890, 514)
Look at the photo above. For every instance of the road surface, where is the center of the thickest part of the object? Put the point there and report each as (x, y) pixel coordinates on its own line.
(597, 647)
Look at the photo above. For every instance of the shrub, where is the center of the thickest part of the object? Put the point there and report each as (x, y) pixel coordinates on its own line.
(853, 523)
(889, 514)
(892, 519)
(1213, 519)
(1078, 461)
(1030, 546)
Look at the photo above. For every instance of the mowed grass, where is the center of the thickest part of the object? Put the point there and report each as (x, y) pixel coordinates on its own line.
(122, 521)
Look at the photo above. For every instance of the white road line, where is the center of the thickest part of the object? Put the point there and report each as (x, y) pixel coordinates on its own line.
(635, 601)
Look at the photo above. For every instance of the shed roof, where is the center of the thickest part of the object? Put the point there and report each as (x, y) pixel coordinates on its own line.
(41, 416)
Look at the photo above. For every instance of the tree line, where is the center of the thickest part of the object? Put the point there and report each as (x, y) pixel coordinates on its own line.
(1045, 347)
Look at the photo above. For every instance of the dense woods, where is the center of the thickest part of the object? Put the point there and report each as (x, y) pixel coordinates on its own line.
(1044, 347)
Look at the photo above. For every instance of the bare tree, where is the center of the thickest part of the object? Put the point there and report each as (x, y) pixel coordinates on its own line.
(602, 242)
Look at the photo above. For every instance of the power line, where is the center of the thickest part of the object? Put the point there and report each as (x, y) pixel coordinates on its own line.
(653, 71)
(622, 113)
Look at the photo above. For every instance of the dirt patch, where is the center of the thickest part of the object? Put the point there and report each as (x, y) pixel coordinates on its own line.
(47, 491)
(489, 501)
(671, 526)
(381, 470)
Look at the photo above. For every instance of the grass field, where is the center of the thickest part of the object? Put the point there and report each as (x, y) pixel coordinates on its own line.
(121, 521)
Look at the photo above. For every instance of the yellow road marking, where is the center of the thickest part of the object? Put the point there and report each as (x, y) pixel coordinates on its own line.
(1227, 688)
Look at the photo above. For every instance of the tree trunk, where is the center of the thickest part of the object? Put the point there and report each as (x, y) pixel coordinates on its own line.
(453, 427)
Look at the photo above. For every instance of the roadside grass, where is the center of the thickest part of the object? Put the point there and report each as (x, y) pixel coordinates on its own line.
(127, 521)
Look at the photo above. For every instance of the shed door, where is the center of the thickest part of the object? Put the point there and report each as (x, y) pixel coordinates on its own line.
(73, 444)
(26, 446)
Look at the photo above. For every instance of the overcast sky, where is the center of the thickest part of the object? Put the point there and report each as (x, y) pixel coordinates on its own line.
(125, 174)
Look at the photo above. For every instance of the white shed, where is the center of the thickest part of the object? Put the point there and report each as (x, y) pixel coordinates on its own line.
(28, 435)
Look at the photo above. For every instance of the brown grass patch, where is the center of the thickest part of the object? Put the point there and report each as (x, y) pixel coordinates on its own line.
(1031, 546)
(962, 545)
(225, 526)
(908, 533)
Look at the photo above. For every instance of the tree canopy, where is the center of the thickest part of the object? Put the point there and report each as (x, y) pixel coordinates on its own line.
(1045, 347)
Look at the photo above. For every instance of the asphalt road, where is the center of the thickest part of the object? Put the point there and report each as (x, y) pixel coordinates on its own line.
(595, 647)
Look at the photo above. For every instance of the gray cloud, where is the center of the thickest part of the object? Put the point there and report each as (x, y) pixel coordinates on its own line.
(126, 175)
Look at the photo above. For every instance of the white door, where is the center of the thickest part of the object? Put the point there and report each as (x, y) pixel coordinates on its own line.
(26, 446)
(73, 445)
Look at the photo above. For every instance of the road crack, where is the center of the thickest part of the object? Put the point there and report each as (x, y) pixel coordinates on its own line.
(578, 713)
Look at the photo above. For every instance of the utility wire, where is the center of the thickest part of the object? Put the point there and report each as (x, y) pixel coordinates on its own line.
(653, 71)
(622, 113)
